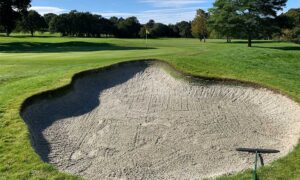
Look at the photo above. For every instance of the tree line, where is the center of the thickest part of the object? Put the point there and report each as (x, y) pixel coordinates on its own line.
(85, 24)
(245, 19)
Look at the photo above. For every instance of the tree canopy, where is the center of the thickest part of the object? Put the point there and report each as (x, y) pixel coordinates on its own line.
(129, 27)
(246, 16)
(184, 29)
(10, 12)
(291, 24)
(32, 22)
(199, 25)
(224, 19)
(48, 18)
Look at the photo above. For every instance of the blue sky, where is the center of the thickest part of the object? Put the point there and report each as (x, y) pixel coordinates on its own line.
(165, 11)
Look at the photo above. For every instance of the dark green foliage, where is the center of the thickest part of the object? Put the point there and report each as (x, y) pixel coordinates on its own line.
(107, 27)
(250, 17)
(160, 30)
(147, 27)
(128, 28)
(184, 29)
(291, 24)
(48, 17)
(85, 24)
(32, 22)
(60, 24)
(79, 24)
(156, 30)
(253, 12)
(224, 19)
(174, 30)
(10, 12)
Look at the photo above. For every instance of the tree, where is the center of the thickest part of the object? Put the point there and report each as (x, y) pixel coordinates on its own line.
(174, 30)
(253, 12)
(295, 14)
(150, 24)
(293, 25)
(107, 27)
(147, 27)
(199, 25)
(143, 31)
(184, 29)
(224, 19)
(250, 17)
(48, 18)
(61, 24)
(33, 22)
(10, 12)
(128, 28)
(157, 30)
(85, 24)
(160, 30)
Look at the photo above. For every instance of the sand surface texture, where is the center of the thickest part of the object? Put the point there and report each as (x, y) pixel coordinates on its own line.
(136, 121)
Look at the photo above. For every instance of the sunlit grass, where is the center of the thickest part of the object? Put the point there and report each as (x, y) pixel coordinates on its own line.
(31, 65)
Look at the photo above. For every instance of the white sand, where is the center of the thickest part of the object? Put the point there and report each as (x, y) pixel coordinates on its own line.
(138, 122)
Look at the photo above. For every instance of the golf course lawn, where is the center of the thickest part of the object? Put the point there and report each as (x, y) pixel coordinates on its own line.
(32, 65)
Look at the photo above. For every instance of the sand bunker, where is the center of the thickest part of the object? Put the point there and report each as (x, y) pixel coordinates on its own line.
(136, 121)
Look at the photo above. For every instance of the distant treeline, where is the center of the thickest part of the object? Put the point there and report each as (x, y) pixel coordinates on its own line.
(85, 24)
(228, 19)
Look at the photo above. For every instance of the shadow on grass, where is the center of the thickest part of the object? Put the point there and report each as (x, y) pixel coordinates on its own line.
(255, 42)
(283, 48)
(73, 46)
(246, 42)
(28, 36)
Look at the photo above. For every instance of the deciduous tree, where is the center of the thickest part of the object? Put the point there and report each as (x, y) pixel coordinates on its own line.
(247, 16)
(33, 21)
(252, 12)
(48, 17)
(184, 29)
(10, 12)
(224, 19)
(199, 25)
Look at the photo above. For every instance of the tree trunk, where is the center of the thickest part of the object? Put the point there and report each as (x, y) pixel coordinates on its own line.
(249, 39)
(32, 32)
(7, 32)
(228, 39)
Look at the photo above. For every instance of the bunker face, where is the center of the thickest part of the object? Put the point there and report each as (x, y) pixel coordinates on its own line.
(136, 121)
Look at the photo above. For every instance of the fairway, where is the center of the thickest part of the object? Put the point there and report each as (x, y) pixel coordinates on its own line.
(32, 65)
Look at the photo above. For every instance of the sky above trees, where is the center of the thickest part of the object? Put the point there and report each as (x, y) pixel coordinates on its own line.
(165, 11)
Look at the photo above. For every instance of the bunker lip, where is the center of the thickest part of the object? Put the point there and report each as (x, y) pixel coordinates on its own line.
(155, 131)
(64, 89)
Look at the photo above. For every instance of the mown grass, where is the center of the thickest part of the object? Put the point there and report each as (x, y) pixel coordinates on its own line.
(31, 65)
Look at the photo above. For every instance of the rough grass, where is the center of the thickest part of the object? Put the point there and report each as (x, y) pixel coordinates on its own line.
(31, 65)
